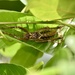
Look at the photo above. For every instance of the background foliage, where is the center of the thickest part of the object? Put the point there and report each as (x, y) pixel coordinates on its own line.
(31, 57)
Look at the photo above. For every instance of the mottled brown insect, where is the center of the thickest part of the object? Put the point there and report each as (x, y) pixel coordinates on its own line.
(42, 35)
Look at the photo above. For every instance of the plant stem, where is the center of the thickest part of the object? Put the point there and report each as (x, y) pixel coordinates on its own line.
(65, 24)
(40, 22)
(28, 22)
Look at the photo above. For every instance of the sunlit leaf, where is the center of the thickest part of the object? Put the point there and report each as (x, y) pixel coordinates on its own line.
(66, 8)
(27, 56)
(61, 54)
(10, 16)
(52, 9)
(44, 9)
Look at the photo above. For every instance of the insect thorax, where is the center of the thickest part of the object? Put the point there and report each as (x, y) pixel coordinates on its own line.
(31, 36)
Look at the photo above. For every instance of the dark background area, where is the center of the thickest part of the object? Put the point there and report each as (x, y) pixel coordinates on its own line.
(11, 5)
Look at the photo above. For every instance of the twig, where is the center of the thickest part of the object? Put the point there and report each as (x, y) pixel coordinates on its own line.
(40, 22)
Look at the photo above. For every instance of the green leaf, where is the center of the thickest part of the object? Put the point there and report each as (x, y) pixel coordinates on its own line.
(9, 46)
(37, 67)
(27, 56)
(61, 54)
(2, 44)
(10, 16)
(11, 69)
(52, 9)
(44, 9)
(10, 50)
(66, 8)
(47, 71)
